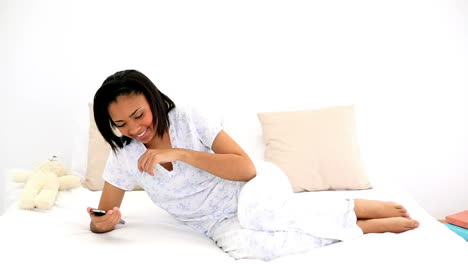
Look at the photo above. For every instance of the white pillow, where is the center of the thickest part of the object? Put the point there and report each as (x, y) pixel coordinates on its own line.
(316, 149)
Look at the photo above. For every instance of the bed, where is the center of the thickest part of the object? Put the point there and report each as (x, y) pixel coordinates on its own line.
(151, 235)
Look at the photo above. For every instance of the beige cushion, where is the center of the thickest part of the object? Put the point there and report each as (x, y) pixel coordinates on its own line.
(98, 152)
(316, 149)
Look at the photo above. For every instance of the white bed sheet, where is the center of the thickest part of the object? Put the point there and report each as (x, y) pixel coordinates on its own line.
(151, 235)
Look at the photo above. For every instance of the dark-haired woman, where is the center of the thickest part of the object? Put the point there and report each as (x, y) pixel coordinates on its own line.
(195, 171)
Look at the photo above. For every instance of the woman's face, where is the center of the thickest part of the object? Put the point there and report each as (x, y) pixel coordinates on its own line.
(132, 115)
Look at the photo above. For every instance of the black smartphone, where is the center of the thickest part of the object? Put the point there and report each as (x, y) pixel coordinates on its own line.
(99, 212)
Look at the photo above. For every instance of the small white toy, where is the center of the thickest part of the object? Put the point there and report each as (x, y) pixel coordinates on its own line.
(43, 184)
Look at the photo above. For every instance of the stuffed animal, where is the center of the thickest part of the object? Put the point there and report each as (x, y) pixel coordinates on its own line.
(43, 184)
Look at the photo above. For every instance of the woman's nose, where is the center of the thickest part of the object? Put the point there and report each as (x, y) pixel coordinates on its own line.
(134, 129)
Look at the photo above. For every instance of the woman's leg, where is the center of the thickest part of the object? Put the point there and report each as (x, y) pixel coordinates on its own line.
(267, 203)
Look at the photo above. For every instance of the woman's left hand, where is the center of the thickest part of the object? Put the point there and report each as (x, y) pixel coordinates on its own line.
(148, 161)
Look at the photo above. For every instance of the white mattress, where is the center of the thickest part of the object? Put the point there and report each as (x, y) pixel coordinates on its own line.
(62, 235)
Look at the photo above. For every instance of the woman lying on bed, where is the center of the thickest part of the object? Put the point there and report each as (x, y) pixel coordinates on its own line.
(192, 169)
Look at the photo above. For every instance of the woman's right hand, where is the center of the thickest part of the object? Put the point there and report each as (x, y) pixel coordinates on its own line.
(105, 223)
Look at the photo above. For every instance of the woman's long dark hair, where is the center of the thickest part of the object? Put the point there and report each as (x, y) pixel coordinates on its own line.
(126, 83)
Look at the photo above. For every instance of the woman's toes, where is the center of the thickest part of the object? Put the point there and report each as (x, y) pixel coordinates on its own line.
(413, 224)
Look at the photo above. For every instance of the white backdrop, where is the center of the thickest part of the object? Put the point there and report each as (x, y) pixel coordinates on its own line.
(403, 63)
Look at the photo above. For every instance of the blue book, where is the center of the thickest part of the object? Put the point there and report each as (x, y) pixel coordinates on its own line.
(463, 232)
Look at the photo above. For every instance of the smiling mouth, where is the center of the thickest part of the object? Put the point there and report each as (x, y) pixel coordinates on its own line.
(142, 134)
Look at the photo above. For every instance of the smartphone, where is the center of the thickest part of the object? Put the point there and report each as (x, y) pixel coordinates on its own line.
(99, 212)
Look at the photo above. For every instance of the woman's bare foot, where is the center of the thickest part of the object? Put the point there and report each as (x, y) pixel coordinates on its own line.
(369, 209)
(391, 224)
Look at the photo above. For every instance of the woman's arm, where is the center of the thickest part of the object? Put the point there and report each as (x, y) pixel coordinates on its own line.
(229, 160)
(111, 199)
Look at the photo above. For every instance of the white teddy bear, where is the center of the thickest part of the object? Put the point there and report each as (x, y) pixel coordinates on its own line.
(43, 184)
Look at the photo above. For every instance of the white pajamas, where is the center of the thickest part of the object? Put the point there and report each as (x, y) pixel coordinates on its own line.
(272, 221)
(258, 219)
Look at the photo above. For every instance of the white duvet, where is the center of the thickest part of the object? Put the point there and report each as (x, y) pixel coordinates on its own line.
(150, 235)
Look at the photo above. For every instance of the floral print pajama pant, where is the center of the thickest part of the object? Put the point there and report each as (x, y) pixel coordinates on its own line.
(272, 221)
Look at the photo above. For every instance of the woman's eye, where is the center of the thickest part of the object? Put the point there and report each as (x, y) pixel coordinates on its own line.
(120, 125)
(139, 116)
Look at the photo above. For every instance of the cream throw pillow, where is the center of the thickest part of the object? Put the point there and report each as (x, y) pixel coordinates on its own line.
(98, 152)
(316, 149)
